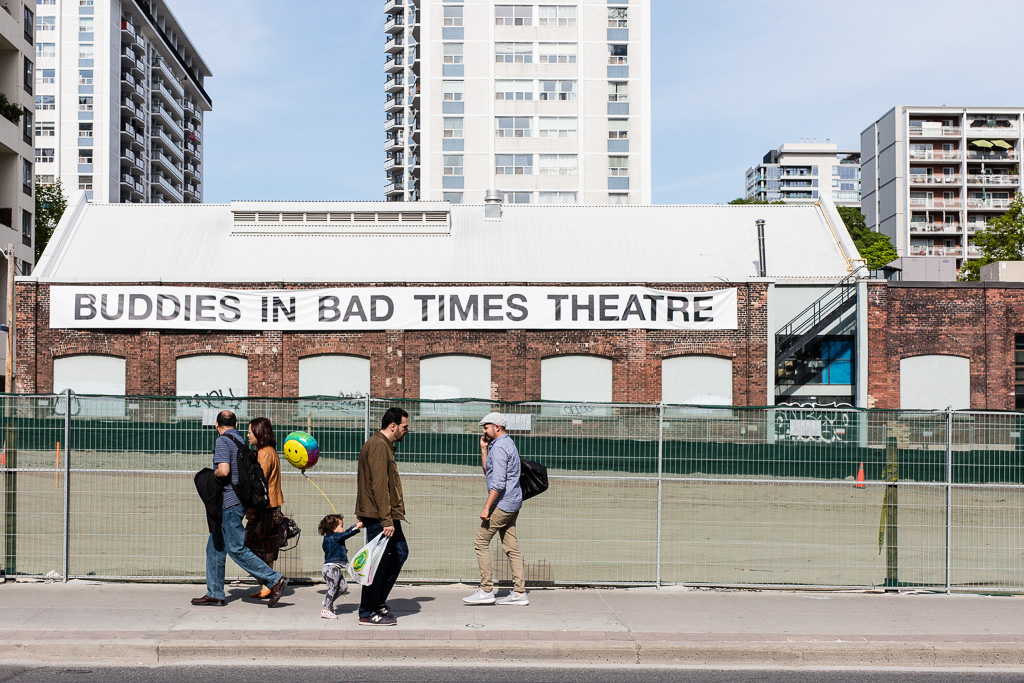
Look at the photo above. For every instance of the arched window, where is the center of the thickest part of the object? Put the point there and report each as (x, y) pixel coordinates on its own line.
(576, 378)
(334, 375)
(700, 380)
(91, 374)
(455, 376)
(934, 382)
(215, 380)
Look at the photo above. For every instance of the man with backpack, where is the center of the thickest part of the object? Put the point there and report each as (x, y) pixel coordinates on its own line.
(229, 539)
(502, 467)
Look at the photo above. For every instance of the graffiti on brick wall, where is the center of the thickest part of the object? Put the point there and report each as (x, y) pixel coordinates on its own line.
(813, 422)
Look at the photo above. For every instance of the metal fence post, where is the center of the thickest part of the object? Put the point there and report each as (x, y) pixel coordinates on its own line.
(366, 419)
(10, 450)
(67, 482)
(949, 494)
(661, 443)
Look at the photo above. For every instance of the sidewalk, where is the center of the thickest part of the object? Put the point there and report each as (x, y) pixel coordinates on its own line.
(156, 624)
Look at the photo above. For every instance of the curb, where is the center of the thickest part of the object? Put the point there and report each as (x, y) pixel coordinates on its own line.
(593, 653)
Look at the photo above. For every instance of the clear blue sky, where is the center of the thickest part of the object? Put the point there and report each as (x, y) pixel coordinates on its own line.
(298, 87)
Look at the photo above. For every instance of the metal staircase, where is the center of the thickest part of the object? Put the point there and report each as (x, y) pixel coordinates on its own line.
(809, 323)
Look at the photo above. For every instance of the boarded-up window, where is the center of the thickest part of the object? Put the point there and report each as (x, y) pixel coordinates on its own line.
(455, 376)
(700, 380)
(214, 381)
(935, 382)
(576, 378)
(91, 374)
(334, 375)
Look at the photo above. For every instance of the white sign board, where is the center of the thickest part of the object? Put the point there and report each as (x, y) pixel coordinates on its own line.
(393, 308)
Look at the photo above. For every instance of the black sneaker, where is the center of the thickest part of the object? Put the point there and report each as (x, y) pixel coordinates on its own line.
(378, 619)
(384, 609)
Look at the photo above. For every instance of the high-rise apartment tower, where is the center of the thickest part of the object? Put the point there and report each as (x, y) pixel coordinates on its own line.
(934, 176)
(546, 101)
(119, 101)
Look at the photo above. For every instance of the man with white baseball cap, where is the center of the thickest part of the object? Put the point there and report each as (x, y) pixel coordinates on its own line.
(500, 459)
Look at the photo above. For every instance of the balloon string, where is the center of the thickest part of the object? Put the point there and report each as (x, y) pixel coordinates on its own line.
(321, 491)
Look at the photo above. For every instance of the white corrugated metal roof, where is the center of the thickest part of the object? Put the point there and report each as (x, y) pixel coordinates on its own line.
(203, 243)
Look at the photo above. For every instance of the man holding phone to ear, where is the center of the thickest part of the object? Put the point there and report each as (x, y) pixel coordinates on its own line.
(500, 459)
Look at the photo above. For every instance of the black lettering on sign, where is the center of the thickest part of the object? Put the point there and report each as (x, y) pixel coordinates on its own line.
(205, 308)
(263, 309)
(633, 308)
(678, 304)
(278, 307)
(558, 299)
(609, 307)
(328, 309)
(699, 310)
(514, 302)
(355, 308)
(472, 305)
(188, 305)
(231, 304)
(654, 299)
(381, 299)
(440, 307)
(424, 300)
(103, 307)
(133, 313)
(490, 306)
(85, 306)
(577, 307)
(162, 299)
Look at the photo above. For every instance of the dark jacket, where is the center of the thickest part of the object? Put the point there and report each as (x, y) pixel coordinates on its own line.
(334, 545)
(211, 490)
(378, 486)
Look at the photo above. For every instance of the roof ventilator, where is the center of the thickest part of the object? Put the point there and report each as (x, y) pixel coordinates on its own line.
(492, 205)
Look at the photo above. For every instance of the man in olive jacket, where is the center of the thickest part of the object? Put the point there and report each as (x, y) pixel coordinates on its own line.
(379, 506)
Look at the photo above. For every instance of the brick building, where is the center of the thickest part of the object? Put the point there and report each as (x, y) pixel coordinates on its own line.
(634, 304)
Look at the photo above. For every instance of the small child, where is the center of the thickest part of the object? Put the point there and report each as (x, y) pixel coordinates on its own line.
(332, 528)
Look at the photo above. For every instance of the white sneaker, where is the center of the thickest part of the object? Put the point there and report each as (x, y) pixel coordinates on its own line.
(327, 614)
(514, 598)
(481, 597)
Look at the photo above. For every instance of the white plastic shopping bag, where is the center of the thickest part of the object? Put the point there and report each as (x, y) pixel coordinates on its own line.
(365, 562)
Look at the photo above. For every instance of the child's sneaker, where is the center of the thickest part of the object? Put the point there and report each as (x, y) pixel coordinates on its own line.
(327, 614)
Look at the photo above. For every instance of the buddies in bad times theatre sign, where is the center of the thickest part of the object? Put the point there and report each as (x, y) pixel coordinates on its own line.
(376, 308)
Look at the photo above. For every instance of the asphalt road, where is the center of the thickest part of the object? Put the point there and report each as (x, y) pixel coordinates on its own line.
(495, 673)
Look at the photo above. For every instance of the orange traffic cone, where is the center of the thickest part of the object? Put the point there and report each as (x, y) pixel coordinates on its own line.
(860, 477)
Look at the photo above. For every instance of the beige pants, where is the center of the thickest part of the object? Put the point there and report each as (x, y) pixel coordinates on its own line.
(504, 524)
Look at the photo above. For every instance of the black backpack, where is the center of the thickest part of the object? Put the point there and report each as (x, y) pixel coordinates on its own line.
(533, 478)
(251, 488)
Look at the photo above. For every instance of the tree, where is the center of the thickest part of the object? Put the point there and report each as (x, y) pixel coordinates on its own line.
(50, 205)
(753, 200)
(1001, 240)
(875, 248)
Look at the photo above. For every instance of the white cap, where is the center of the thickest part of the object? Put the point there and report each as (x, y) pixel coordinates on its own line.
(494, 419)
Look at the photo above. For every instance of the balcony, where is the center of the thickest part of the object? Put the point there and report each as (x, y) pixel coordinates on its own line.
(935, 179)
(936, 251)
(394, 63)
(986, 155)
(394, 6)
(394, 104)
(393, 143)
(166, 119)
(130, 135)
(391, 162)
(394, 123)
(994, 204)
(164, 141)
(394, 44)
(991, 179)
(934, 154)
(192, 148)
(167, 74)
(395, 23)
(992, 126)
(393, 189)
(934, 131)
(924, 226)
(168, 99)
(937, 203)
(168, 188)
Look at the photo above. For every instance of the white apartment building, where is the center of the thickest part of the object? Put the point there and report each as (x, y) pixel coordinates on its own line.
(547, 101)
(119, 101)
(800, 173)
(934, 176)
(17, 205)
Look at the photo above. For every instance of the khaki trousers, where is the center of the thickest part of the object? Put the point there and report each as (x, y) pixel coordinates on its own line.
(504, 524)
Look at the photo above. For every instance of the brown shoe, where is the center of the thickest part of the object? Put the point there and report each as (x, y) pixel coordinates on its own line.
(275, 592)
(207, 600)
